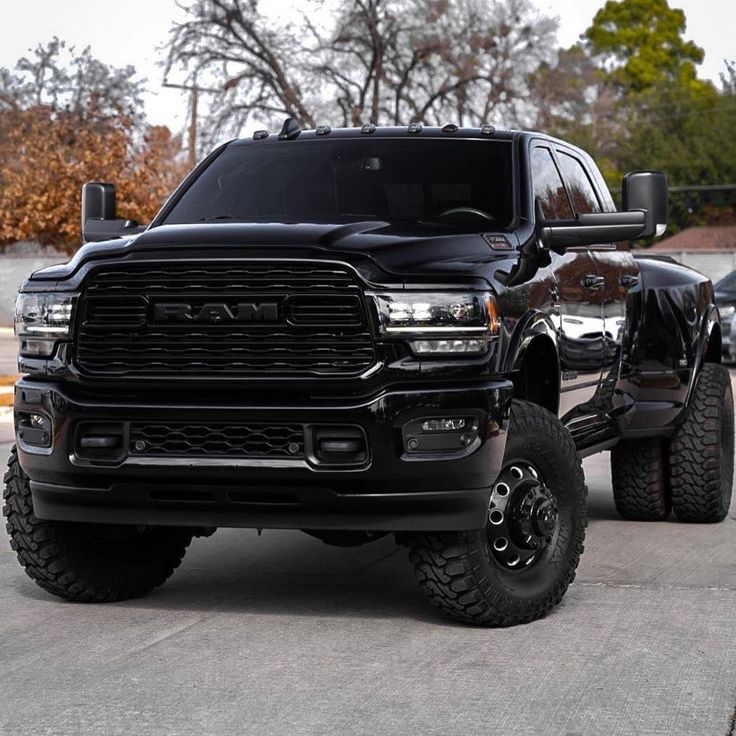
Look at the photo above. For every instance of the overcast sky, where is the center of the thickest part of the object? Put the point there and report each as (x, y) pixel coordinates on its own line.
(133, 32)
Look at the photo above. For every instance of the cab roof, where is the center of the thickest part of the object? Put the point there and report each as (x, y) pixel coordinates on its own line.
(291, 131)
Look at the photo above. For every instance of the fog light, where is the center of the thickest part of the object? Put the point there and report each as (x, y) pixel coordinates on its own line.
(472, 346)
(36, 347)
(33, 429)
(441, 435)
(443, 425)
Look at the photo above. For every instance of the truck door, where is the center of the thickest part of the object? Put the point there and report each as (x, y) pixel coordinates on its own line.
(579, 315)
(618, 272)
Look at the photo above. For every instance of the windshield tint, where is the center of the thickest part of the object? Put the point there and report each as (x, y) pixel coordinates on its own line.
(355, 179)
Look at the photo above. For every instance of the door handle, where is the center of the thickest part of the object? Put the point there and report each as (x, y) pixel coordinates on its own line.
(592, 281)
(629, 282)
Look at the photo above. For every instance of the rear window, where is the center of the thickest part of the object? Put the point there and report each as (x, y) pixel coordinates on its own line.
(348, 180)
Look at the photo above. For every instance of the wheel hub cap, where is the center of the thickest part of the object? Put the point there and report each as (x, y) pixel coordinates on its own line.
(522, 516)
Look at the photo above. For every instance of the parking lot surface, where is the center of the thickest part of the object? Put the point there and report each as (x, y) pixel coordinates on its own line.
(280, 634)
(8, 349)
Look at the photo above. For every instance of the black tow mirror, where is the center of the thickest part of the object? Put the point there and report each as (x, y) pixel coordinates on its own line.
(647, 191)
(644, 197)
(98, 201)
(99, 217)
(597, 227)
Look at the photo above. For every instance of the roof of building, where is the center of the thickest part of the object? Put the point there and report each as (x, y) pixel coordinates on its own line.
(712, 237)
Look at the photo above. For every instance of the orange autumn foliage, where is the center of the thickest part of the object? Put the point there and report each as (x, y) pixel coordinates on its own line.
(46, 156)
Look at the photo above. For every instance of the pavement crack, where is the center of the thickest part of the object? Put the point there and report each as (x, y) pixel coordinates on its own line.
(165, 637)
(380, 559)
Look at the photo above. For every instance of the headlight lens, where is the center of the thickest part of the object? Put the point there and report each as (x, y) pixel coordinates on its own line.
(41, 320)
(444, 324)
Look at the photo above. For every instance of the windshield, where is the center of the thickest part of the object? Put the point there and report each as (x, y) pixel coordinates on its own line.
(727, 283)
(463, 183)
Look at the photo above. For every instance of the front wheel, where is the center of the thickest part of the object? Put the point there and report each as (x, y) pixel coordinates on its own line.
(90, 563)
(518, 567)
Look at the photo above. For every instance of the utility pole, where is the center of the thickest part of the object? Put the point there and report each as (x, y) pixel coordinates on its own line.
(194, 91)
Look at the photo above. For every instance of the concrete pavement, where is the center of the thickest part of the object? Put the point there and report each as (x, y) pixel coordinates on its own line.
(284, 635)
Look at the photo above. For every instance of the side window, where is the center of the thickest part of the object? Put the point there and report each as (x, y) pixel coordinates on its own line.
(584, 199)
(548, 186)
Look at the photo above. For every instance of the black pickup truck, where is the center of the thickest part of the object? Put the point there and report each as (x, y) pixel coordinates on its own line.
(356, 332)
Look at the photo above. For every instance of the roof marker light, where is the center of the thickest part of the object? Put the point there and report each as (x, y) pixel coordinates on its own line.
(368, 128)
(415, 128)
(259, 134)
(450, 128)
(488, 129)
(322, 129)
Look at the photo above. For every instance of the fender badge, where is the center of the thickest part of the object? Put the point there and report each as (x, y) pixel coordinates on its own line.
(497, 242)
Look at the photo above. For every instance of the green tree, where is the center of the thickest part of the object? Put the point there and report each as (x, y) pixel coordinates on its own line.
(628, 93)
(640, 45)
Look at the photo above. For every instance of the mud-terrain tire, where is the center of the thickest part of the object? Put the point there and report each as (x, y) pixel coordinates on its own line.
(90, 563)
(701, 452)
(640, 482)
(462, 574)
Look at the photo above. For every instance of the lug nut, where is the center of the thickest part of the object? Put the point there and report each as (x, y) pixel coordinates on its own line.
(496, 517)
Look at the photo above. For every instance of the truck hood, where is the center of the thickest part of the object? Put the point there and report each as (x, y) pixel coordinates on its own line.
(400, 250)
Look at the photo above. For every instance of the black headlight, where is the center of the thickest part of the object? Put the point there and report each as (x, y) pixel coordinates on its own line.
(439, 323)
(41, 320)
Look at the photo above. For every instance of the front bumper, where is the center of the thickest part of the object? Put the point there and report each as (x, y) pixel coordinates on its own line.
(390, 491)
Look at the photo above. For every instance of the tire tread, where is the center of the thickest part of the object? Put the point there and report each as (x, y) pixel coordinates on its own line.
(639, 479)
(50, 554)
(701, 476)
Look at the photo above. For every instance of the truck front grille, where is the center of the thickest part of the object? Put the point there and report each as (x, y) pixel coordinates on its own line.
(217, 440)
(261, 319)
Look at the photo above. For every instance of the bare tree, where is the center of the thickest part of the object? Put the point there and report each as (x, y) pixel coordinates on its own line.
(469, 60)
(228, 42)
(379, 61)
(61, 78)
(577, 102)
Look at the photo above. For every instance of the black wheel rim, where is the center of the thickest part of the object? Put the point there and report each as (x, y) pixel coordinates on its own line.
(523, 516)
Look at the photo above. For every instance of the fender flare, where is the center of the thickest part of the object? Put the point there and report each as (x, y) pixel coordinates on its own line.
(711, 321)
(530, 327)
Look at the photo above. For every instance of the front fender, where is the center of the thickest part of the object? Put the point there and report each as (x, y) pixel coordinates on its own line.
(530, 327)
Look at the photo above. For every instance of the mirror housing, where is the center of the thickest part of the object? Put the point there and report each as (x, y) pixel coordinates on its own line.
(98, 201)
(597, 227)
(644, 198)
(99, 220)
(647, 190)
